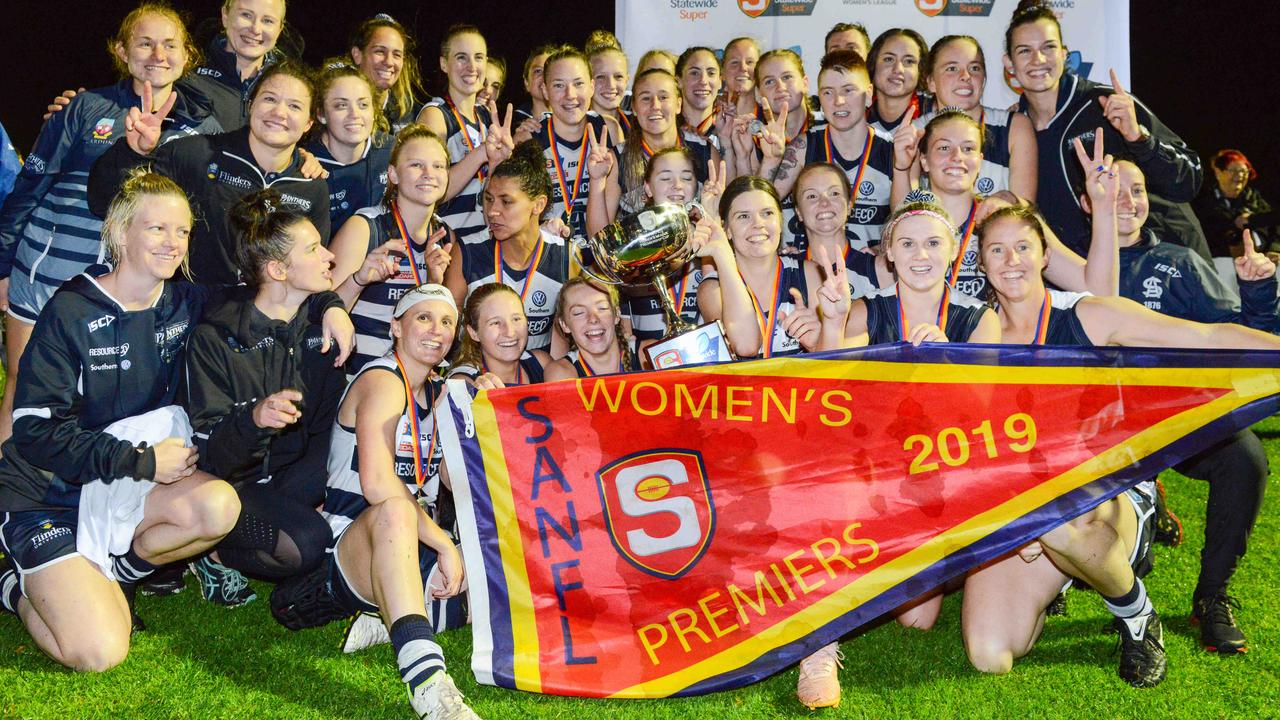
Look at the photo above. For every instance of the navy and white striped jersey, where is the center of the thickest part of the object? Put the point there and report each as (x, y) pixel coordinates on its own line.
(538, 285)
(993, 176)
(343, 498)
(463, 212)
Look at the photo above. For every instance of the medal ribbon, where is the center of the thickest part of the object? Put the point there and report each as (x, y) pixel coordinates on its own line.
(684, 290)
(648, 151)
(569, 200)
(904, 326)
(1042, 325)
(967, 234)
(419, 465)
(408, 246)
(766, 332)
(536, 258)
(464, 130)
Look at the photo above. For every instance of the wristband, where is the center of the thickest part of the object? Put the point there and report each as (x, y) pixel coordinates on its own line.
(357, 282)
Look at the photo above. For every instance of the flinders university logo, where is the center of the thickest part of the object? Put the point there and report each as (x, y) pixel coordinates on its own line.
(658, 510)
(777, 8)
(967, 8)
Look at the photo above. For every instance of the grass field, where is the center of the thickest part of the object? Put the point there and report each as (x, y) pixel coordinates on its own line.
(200, 661)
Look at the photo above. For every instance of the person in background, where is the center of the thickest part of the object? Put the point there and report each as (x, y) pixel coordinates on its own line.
(495, 79)
(386, 53)
(1227, 205)
(236, 57)
(895, 60)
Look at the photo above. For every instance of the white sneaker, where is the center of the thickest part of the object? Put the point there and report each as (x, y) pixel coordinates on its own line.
(364, 630)
(439, 699)
(819, 683)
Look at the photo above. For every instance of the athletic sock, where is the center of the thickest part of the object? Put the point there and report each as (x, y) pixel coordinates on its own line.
(10, 590)
(417, 653)
(1134, 607)
(129, 567)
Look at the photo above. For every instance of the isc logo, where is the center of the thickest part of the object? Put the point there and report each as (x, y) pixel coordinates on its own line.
(658, 510)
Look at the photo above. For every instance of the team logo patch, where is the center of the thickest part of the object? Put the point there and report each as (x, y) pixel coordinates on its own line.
(658, 510)
(539, 298)
(103, 129)
(211, 172)
(36, 163)
(753, 8)
(866, 187)
(1151, 288)
(986, 185)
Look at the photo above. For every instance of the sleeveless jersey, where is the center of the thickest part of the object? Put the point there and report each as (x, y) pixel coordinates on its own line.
(883, 325)
(791, 276)
(649, 322)
(570, 181)
(538, 286)
(371, 314)
(1064, 323)
(343, 498)
(993, 175)
(861, 269)
(463, 213)
(969, 279)
(870, 180)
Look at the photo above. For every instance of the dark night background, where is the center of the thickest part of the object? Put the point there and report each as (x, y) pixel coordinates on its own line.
(1206, 68)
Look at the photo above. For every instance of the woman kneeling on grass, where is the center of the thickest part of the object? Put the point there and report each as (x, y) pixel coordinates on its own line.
(1108, 547)
(384, 456)
(99, 484)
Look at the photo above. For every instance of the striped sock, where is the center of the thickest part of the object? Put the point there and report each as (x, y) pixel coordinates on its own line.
(417, 653)
(10, 590)
(129, 567)
(1133, 607)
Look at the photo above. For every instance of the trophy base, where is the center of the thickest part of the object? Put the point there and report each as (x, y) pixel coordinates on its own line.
(704, 344)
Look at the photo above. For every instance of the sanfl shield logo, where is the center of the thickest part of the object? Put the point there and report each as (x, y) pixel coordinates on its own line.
(931, 7)
(753, 8)
(658, 510)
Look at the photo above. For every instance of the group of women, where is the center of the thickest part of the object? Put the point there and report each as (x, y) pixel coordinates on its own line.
(155, 418)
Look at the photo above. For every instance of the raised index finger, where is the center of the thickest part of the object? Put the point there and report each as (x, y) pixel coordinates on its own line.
(1250, 250)
(1115, 83)
(506, 124)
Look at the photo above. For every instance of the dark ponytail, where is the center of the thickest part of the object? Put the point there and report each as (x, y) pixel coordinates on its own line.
(260, 224)
(1027, 12)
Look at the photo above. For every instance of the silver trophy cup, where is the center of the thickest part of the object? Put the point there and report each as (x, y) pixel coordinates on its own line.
(643, 251)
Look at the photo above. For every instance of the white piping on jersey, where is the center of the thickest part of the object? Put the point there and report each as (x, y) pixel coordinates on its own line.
(258, 172)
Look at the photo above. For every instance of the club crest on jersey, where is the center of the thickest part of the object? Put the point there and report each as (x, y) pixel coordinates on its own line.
(1151, 288)
(658, 510)
(211, 172)
(103, 129)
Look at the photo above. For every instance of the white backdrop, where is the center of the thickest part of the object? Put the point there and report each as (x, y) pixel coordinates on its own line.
(1096, 31)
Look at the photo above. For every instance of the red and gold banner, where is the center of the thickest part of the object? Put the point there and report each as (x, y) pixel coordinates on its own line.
(690, 530)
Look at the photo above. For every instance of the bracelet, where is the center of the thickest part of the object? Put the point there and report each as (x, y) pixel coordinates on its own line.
(905, 169)
(357, 282)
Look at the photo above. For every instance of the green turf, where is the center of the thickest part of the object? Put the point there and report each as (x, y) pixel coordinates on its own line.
(199, 661)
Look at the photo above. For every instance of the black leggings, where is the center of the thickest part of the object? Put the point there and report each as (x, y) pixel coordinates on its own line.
(277, 535)
(1236, 470)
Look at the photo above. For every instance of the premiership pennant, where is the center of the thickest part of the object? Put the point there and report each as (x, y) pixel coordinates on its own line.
(697, 529)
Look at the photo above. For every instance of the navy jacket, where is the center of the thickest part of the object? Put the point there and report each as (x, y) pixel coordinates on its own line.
(1172, 280)
(1173, 171)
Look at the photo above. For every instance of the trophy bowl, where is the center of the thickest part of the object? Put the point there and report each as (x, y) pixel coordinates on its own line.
(643, 251)
(652, 243)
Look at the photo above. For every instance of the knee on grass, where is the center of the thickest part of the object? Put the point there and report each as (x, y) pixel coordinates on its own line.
(989, 657)
(102, 652)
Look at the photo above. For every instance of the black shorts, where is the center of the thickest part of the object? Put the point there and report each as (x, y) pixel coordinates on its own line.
(35, 539)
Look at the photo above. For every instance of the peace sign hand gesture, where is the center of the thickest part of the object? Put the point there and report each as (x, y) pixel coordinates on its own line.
(1101, 182)
(1253, 265)
(498, 141)
(1119, 110)
(713, 188)
(143, 125)
(773, 139)
(834, 299)
(600, 161)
